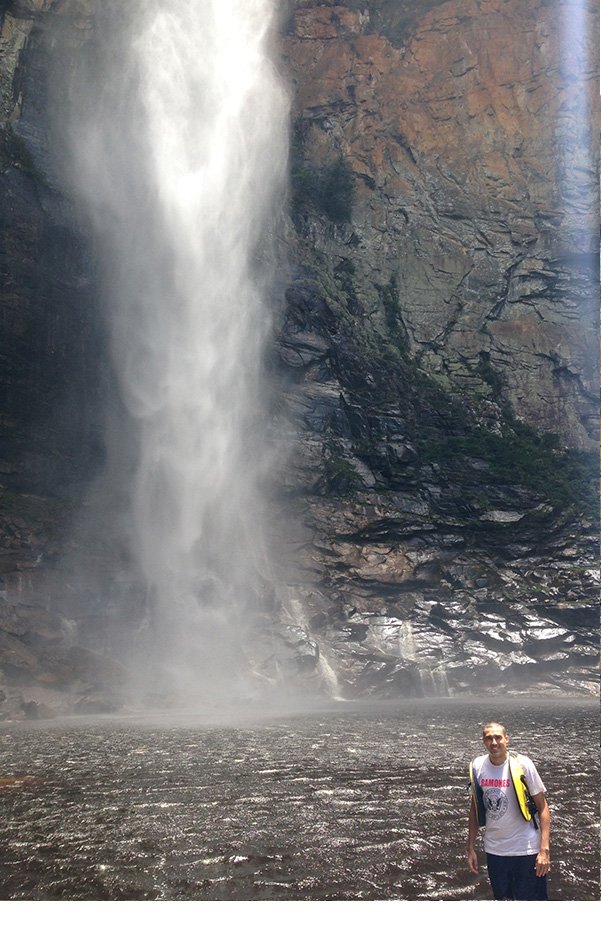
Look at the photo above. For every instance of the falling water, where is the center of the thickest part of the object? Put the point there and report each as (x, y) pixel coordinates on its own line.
(576, 123)
(180, 150)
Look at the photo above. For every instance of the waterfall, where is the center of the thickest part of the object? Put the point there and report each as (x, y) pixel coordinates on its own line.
(433, 682)
(179, 138)
(330, 678)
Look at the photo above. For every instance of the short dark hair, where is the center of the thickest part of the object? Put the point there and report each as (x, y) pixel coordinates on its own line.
(500, 725)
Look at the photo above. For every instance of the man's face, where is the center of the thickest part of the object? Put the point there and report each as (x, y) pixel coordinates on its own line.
(495, 741)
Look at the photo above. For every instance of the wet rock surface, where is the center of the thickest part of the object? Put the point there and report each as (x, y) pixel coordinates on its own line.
(435, 314)
(50, 336)
(44, 669)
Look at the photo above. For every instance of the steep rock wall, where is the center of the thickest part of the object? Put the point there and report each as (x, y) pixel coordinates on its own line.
(51, 367)
(49, 332)
(469, 131)
(439, 343)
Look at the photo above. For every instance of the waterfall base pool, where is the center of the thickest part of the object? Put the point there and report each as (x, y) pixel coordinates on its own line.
(342, 803)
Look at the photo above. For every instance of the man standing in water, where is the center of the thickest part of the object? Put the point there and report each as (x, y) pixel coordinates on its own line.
(507, 797)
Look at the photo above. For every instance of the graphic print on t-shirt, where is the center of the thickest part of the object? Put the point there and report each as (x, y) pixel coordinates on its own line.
(496, 803)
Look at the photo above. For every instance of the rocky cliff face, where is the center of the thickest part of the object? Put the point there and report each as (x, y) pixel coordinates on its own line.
(50, 369)
(434, 526)
(49, 335)
(438, 334)
(468, 131)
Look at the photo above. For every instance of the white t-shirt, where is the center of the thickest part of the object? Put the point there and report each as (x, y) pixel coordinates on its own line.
(507, 833)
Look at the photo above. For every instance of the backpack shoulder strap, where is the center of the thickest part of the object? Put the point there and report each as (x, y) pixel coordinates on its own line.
(477, 795)
(524, 798)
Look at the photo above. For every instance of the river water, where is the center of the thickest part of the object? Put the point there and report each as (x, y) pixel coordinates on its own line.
(336, 803)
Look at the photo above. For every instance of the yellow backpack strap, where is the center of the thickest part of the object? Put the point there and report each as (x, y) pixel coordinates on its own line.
(477, 796)
(522, 793)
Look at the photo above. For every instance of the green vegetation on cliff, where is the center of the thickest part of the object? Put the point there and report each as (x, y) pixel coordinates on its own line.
(327, 189)
(479, 462)
(14, 152)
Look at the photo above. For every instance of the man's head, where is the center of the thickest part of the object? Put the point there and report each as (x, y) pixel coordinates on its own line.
(495, 740)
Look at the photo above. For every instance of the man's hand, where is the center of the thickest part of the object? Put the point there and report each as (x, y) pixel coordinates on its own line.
(472, 860)
(472, 835)
(543, 862)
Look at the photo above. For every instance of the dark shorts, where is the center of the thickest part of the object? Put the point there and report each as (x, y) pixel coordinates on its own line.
(515, 878)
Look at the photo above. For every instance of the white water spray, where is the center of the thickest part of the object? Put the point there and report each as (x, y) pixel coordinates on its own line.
(181, 158)
(576, 131)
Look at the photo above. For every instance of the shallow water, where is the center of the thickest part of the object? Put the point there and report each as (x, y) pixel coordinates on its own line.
(347, 803)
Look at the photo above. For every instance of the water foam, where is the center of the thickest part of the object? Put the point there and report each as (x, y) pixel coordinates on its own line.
(180, 156)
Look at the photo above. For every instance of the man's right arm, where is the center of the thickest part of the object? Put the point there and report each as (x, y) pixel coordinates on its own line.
(472, 834)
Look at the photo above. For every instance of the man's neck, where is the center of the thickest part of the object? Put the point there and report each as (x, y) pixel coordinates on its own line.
(498, 760)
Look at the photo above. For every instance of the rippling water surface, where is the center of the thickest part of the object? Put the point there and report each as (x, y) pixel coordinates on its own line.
(354, 803)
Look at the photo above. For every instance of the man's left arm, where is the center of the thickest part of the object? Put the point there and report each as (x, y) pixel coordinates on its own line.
(543, 858)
